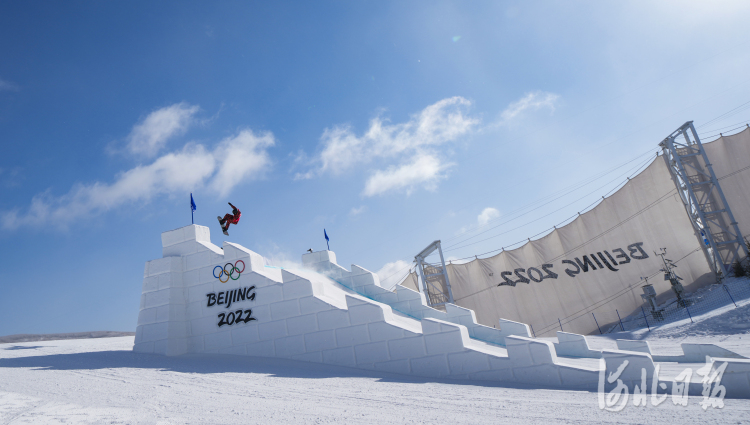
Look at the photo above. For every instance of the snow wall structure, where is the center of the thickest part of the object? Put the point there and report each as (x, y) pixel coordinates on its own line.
(592, 267)
(200, 298)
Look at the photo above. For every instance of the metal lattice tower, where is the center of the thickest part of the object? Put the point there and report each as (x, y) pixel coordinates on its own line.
(706, 206)
(434, 283)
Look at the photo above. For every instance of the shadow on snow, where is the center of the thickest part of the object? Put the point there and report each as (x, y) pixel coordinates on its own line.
(221, 363)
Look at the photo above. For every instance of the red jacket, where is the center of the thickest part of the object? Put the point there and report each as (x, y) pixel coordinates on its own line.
(236, 217)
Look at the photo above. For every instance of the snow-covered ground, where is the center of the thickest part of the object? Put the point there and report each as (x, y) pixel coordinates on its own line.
(726, 326)
(51, 337)
(103, 381)
(705, 302)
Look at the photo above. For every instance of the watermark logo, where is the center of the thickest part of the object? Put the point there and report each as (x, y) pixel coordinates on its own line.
(712, 396)
(617, 398)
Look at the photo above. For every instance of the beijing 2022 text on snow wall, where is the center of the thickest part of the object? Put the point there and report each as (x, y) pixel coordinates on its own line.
(592, 265)
(595, 263)
(201, 298)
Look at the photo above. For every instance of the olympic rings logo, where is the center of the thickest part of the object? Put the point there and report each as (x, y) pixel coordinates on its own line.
(229, 274)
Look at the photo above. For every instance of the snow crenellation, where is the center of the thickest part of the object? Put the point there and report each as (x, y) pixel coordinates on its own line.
(323, 313)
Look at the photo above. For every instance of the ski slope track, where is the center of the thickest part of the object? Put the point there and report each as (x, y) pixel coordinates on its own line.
(103, 381)
(200, 298)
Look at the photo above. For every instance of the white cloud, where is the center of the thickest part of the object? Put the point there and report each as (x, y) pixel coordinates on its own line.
(392, 273)
(240, 158)
(487, 215)
(357, 211)
(416, 139)
(150, 135)
(530, 101)
(8, 86)
(235, 160)
(343, 149)
(424, 170)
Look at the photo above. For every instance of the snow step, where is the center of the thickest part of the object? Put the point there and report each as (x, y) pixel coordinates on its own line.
(345, 318)
(692, 353)
(408, 301)
(574, 345)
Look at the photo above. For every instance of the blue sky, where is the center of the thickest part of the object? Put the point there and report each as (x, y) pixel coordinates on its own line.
(389, 124)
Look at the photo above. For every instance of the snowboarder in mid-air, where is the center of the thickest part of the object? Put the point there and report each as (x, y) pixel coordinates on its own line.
(228, 219)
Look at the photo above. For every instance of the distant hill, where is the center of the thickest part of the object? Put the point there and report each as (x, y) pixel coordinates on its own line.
(51, 337)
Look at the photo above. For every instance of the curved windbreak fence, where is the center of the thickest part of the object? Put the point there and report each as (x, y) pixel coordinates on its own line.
(592, 265)
(730, 159)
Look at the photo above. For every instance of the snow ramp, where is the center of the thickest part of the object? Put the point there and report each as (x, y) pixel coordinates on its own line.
(201, 298)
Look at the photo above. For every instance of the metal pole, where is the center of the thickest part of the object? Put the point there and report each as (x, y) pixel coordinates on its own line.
(445, 273)
(435, 296)
(558, 321)
(423, 284)
(532, 330)
(597, 323)
(732, 221)
(644, 318)
(718, 264)
(687, 201)
(679, 166)
(689, 315)
(618, 317)
(730, 295)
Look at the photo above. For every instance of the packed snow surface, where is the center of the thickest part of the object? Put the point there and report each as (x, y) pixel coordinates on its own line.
(53, 337)
(104, 381)
(704, 303)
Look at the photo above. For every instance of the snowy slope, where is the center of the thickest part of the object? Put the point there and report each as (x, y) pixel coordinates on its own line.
(103, 381)
(705, 303)
(51, 337)
(727, 326)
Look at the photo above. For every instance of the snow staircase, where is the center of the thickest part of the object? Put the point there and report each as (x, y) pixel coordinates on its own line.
(692, 353)
(408, 301)
(326, 314)
(574, 345)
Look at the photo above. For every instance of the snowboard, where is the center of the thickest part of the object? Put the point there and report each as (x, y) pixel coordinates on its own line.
(222, 227)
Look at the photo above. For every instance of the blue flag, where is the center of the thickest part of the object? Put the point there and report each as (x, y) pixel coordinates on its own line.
(192, 209)
(326, 235)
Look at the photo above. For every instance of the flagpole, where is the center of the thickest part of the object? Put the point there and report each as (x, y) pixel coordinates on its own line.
(192, 209)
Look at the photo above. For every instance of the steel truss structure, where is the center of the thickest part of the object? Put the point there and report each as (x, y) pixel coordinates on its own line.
(706, 206)
(434, 277)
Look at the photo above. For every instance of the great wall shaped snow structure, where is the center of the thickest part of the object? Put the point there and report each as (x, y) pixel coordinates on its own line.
(201, 298)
